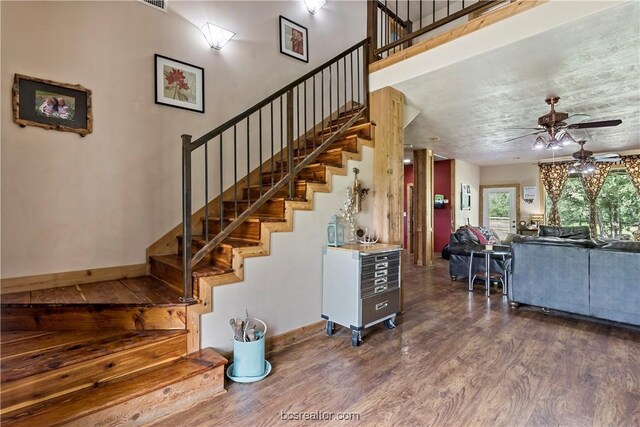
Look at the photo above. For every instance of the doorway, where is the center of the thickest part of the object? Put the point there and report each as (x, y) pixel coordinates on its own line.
(501, 208)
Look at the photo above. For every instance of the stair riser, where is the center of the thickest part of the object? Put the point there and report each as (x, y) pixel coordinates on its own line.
(301, 190)
(270, 209)
(347, 144)
(246, 230)
(311, 173)
(361, 131)
(331, 157)
(93, 318)
(37, 388)
(146, 409)
(216, 257)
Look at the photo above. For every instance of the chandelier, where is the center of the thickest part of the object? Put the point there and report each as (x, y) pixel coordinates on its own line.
(582, 167)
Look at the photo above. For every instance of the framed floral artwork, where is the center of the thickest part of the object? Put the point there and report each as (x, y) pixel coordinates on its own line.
(179, 84)
(52, 105)
(294, 40)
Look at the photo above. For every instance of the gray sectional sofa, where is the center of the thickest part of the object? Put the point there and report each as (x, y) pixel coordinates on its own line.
(581, 276)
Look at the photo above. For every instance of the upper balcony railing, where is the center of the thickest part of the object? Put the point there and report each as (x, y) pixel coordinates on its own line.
(394, 25)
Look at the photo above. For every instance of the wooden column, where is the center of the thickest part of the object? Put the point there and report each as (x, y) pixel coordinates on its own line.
(387, 112)
(423, 185)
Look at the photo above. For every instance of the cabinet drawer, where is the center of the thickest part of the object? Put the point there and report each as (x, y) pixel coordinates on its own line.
(380, 258)
(379, 306)
(369, 279)
(379, 266)
(381, 285)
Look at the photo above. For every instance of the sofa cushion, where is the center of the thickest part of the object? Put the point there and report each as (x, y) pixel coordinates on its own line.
(479, 235)
(579, 232)
(555, 241)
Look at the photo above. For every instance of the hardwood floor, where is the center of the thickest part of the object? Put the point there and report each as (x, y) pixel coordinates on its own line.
(456, 358)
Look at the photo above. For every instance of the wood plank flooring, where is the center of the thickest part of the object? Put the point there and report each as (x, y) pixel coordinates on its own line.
(455, 359)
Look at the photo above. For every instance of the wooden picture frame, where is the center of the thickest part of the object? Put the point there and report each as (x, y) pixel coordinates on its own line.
(179, 84)
(294, 40)
(465, 197)
(52, 105)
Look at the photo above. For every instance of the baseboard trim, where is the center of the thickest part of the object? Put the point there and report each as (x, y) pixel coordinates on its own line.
(67, 278)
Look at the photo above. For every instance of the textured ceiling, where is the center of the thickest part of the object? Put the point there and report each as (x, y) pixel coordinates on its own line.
(592, 64)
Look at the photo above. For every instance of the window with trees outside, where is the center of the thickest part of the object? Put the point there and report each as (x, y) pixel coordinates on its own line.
(618, 205)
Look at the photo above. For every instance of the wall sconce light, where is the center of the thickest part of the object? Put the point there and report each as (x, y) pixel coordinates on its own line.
(314, 5)
(216, 36)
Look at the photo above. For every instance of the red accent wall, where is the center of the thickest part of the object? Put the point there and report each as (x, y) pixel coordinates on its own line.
(441, 217)
(408, 179)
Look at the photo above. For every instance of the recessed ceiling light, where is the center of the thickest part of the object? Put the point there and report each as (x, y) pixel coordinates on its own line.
(408, 145)
(407, 160)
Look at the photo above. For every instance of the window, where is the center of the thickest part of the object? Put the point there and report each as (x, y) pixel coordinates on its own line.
(618, 205)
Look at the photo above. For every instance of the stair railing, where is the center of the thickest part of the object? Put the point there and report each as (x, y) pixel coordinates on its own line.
(393, 25)
(271, 143)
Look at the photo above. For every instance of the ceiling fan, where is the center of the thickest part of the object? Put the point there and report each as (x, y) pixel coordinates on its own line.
(586, 160)
(556, 124)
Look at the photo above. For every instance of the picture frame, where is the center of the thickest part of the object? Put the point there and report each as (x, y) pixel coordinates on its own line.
(52, 105)
(294, 40)
(179, 84)
(465, 197)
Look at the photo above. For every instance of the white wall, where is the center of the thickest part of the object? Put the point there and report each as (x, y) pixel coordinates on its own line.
(522, 173)
(71, 203)
(467, 173)
(285, 288)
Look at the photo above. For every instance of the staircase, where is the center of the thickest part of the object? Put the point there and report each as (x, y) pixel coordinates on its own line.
(128, 351)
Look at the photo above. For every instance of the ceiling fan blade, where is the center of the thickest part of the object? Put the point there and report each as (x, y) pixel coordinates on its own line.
(607, 155)
(607, 159)
(600, 124)
(525, 129)
(576, 118)
(523, 136)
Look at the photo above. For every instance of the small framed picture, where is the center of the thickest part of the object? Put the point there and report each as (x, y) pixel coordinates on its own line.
(294, 40)
(52, 105)
(179, 84)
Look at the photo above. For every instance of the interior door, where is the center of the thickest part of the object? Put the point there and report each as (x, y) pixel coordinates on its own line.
(499, 209)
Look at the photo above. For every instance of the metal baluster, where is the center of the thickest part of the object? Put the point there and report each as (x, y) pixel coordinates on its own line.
(221, 187)
(337, 89)
(315, 123)
(235, 172)
(330, 95)
(206, 191)
(407, 13)
(247, 180)
(358, 57)
(260, 142)
(297, 131)
(351, 71)
(281, 136)
(322, 102)
(272, 163)
(434, 11)
(448, 6)
(186, 219)
(290, 141)
(420, 13)
(304, 131)
(344, 67)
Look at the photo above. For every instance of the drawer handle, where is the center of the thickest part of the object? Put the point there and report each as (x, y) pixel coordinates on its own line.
(382, 305)
(382, 258)
(380, 273)
(380, 280)
(379, 289)
(382, 265)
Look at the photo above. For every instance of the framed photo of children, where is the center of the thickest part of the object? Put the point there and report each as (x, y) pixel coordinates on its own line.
(52, 105)
(179, 84)
(294, 40)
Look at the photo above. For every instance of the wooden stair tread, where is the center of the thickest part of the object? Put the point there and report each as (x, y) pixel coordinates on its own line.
(144, 290)
(230, 242)
(252, 218)
(200, 270)
(63, 349)
(72, 406)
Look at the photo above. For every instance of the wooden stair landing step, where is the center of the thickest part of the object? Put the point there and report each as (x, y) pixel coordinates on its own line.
(136, 399)
(64, 362)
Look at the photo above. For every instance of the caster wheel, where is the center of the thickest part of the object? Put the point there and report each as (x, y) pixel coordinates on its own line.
(390, 323)
(454, 278)
(355, 338)
(330, 327)
(514, 304)
(545, 310)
